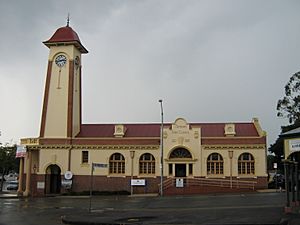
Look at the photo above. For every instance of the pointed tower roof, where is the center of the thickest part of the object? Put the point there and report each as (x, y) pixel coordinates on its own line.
(65, 36)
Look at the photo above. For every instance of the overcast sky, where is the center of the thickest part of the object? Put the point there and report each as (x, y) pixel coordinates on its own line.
(210, 61)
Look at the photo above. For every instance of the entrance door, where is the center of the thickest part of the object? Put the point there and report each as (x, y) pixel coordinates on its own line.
(180, 170)
(53, 179)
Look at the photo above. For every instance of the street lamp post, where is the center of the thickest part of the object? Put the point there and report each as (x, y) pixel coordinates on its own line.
(230, 153)
(161, 147)
(131, 156)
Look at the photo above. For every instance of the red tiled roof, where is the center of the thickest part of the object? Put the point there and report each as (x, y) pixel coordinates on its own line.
(66, 35)
(131, 130)
(217, 129)
(153, 130)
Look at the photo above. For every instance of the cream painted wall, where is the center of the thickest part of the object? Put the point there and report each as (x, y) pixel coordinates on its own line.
(56, 117)
(57, 108)
(178, 135)
(53, 156)
(181, 135)
(103, 155)
(258, 154)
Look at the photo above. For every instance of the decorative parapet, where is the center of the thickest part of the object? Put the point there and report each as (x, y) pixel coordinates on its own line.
(260, 131)
(102, 147)
(257, 146)
(229, 130)
(30, 141)
(119, 130)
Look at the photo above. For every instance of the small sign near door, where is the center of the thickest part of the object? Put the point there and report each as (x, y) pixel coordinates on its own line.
(179, 182)
(40, 185)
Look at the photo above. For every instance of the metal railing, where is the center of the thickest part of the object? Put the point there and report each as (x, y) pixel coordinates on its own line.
(211, 182)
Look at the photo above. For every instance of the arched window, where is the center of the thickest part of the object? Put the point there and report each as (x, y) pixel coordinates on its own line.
(117, 164)
(180, 153)
(147, 164)
(215, 164)
(246, 164)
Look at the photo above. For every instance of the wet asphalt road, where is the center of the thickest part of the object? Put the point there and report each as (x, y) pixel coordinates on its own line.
(258, 208)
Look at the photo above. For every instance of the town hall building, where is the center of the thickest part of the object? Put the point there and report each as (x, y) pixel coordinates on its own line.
(196, 157)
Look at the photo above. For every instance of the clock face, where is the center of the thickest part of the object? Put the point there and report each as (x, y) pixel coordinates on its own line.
(77, 62)
(60, 60)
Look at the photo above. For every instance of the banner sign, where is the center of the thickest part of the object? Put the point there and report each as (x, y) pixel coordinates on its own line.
(21, 151)
(294, 145)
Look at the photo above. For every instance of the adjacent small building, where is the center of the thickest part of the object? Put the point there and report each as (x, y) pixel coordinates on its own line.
(197, 157)
(292, 144)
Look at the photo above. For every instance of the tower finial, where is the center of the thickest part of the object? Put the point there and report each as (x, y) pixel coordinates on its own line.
(68, 19)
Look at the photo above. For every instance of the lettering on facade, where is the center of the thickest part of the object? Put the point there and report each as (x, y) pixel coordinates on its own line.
(180, 126)
(294, 145)
(30, 141)
(180, 132)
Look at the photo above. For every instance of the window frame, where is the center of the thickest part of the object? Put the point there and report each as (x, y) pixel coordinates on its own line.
(84, 157)
(147, 166)
(215, 167)
(117, 165)
(246, 166)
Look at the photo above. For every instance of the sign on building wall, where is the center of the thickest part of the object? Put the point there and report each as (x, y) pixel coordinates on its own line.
(67, 184)
(138, 182)
(40, 185)
(179, 182)
(294, 145)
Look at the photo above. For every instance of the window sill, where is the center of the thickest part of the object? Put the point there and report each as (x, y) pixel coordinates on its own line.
(220, 176)
(85, 165)
(117, 175)
(146, 176)
(246, 176)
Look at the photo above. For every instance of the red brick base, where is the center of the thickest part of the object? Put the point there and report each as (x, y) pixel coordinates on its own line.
(82, 183)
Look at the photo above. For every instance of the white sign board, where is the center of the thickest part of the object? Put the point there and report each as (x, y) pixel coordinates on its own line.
(179, 182)
(66, 184)
(41, 185)
(100, 165)
(294, 145)
(138, 182)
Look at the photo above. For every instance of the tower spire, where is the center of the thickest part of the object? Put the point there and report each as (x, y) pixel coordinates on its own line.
(68, 19)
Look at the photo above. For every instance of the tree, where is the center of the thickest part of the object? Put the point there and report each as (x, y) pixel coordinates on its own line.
(8, 161)
(289, 105)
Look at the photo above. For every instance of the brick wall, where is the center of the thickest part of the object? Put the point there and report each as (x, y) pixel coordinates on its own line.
(102, 183)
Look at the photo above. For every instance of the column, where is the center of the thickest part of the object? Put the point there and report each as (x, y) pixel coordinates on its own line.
(28, 173)
(21, 174)
(297, 183)
(292, 177)
(288, 208)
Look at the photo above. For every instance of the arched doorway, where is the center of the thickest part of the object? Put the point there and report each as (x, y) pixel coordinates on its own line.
(53, 179)
(180, 163)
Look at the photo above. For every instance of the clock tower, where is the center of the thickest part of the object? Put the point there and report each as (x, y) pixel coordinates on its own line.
(61, 114)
